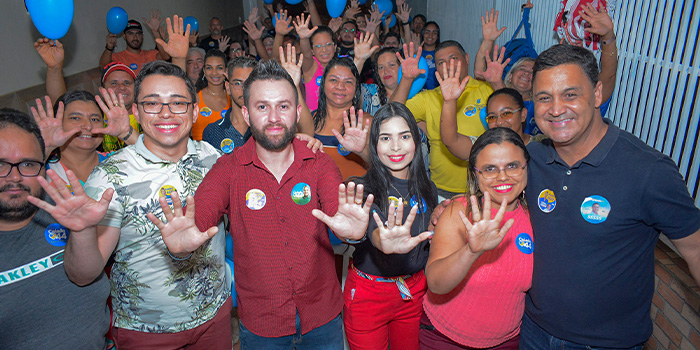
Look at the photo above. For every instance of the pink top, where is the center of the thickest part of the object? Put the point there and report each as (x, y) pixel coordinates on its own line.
(486, 308)
(312, 87)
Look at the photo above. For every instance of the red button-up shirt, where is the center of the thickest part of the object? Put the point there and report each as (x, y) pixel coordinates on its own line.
(282, 254)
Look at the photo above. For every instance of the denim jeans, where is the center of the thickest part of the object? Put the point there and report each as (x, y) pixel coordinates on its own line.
(327, 337)
(532, 337)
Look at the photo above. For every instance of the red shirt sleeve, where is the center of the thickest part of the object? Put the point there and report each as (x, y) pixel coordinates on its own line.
(212, 197)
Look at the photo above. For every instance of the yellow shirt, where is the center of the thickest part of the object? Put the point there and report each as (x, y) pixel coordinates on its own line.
(447, 171)
(112, 143)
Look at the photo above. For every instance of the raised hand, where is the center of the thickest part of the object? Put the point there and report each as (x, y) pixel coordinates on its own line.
(111, 41)
(494, 66)
(350, 222)
(253, 32)
(363, 46)
(51, 127)
(283, 23)
(51, 52)
(117, 116)
(485, 233)
(301, 25)
(600, 21)
(400, 2)
(223, 43)
(290, 64)
(415, 39)
(335, 24)
(356, 131)
(163, 32)
(178, 38)
(375, 17)
(253, 15)
(395, 237)
(489, 26)
(193, 38)
(409, 65)
(351, 11)
(154, 21)
(404, 14)
(75, 211)
(180, 234)
(450, 86)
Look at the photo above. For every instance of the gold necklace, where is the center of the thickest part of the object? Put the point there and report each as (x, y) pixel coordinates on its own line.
(405, 202)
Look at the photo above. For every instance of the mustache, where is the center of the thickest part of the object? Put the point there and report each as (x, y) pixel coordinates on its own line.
(9, 187)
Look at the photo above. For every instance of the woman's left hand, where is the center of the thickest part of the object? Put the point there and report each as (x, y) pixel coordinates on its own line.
(395, 237)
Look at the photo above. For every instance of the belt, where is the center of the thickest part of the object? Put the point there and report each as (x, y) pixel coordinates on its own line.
(399, 281)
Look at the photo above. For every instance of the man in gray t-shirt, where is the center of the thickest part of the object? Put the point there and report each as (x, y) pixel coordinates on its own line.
(39, 306)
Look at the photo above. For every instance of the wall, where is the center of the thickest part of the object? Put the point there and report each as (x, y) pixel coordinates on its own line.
(21, 67)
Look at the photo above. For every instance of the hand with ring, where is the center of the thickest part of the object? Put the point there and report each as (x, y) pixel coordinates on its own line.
(393, 237)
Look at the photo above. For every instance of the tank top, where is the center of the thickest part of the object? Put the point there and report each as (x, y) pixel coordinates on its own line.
(312, 87)
(207, 116)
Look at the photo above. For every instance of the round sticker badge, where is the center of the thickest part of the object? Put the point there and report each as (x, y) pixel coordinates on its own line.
(211, 44)
(56, 235)
(134, 66)
(165, 191)
(255, 199)
(343, 152)
(394, 200)
(547, 201)
(424, 206)
(205, 111)
(524, 243)
(318, 80)
(470, 110)
(227, 145)
(301, 193)
(595, 209)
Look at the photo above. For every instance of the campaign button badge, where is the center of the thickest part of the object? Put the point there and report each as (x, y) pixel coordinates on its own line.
(394, 200)
(547, 201)
(318, 80)
(524, 243)
(133, 66)
(255, 199)
(342, 150)
(205, 111)
(56, 235)
(301, 193)
(470, 110)
(423, 205)
(166, 191)
(595, 209)
(227, 145)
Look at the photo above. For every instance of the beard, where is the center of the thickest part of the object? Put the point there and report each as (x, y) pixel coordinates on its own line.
(134, 44)
(347, 43)
(274, 143)
(14, 212)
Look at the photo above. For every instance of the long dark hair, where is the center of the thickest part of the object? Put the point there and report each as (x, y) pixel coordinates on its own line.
(378, 178)
(322, 112)
(383, 98)
(202, 82)
(492, 136)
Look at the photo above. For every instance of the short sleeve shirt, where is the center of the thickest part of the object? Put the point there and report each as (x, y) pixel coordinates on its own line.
(151, 292)
(135, 61)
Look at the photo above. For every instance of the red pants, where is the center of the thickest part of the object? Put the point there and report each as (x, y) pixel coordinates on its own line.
(375, 315)
(214, 334)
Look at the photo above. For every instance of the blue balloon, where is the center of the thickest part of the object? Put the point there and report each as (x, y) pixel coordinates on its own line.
(336, 7)
(52, 18)
(420, 80)
(384, 6)
(269, 1)
(293, 2)
(391, 21)
(194, 25)
(117, 19)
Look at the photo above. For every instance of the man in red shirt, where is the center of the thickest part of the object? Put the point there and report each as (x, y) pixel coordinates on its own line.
(133, 56)
(288, 292)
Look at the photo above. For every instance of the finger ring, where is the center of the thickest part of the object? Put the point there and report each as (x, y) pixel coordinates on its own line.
(358, 202)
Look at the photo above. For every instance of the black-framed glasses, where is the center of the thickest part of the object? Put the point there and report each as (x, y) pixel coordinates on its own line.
(349, 30)
(491, 117)
(512, 170)
(27, 168)
(176, 107)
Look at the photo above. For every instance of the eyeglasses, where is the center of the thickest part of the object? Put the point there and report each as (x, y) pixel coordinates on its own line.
(27, 168)
(512, 170)
(176, 107)
(237, 84)
(349, 30)
(491, 117)
(321, 46)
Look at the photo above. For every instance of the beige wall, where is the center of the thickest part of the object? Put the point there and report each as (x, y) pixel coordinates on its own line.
(21, 67)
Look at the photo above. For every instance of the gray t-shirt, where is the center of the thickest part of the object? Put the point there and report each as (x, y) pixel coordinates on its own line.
(40, 308)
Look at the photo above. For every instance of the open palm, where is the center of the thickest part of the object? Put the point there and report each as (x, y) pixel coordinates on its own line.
(395, 237)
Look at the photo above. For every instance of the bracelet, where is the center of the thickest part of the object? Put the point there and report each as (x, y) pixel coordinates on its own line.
(131, 129)
(108, 49)
(355, 241)
(611, 54)
(176, 258)
(609, 41)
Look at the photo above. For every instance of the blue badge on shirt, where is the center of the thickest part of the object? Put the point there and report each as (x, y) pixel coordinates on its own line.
(227, 145)
(301, 193)
(470, 110)
(318, 80)
(423, 205)
(343, 152)
(524, 243)
(56, 235)
(595, 209)
(547, 201)
(134, 66)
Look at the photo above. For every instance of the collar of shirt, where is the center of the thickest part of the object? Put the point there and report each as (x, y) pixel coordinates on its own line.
(144, 152)
(597, 155)
(225, 122)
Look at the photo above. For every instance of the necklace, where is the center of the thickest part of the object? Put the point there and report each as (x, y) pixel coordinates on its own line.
(211, 92)
(405, 201)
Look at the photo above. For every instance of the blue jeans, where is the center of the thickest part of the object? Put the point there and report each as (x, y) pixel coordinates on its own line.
(326, 337)
(532, 337)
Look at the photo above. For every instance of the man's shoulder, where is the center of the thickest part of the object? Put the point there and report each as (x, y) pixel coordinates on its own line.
(630, 145)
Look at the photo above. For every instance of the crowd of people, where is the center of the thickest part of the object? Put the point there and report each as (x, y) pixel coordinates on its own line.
(487, 211)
